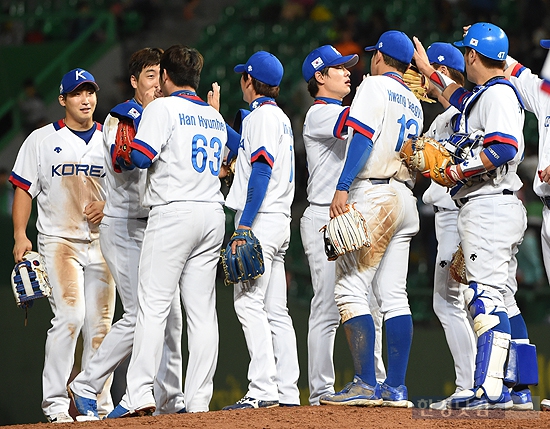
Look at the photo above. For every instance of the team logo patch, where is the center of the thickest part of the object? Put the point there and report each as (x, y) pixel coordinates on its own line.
(441, 58)
(57, 149)
(317, 63)
(249, 68)
(473, 42)
(133, 113)
(380, 45)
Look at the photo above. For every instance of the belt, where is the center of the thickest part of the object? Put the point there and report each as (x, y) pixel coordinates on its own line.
(461, 201)
(379, 181)
(545, 201)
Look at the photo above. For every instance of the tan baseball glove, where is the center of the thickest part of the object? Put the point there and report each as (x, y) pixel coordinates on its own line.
(429, 157)
(417, 83)
(457, 270)
(345, 233)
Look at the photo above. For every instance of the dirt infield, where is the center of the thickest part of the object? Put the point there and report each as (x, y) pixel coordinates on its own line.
(329, 417)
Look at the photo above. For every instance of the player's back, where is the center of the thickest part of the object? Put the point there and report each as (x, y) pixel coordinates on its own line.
(389, 114)
(266, 129)
(187, 137)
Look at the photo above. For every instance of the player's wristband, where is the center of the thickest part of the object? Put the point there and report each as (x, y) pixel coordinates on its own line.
(440, 80)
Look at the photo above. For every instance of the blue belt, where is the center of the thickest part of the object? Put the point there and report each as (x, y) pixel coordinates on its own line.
(461, 201)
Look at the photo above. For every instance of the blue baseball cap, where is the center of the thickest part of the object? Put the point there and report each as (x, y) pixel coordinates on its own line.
(446, 55)
(395, 44)
(74, 79)
(263, 66)
(487, 39)
(545, 43)
(326, 56)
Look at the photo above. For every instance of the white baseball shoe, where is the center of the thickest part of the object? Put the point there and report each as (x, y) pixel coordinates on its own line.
(60, 418)
(545, 405)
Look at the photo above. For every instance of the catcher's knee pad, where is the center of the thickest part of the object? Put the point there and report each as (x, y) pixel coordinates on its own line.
(481, 308)
(522, 365)
(492, 352)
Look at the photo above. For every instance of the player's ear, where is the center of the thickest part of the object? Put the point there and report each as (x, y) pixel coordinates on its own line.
(319, 77)
(133, 81)
(62, 99)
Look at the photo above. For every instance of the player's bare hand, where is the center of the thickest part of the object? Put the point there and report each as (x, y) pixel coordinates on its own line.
(338, 205)
(213, 96)
(238, 242)
(150, 95)
(421, 58)
(22, 244)
(224, 171)
(94, 212)
(544, 175)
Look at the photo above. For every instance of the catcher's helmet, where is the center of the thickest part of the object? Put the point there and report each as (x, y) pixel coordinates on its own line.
(487, 39)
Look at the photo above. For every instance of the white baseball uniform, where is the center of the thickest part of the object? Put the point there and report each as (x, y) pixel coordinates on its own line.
(324, 134)
(538, 102)
(121, 237)
(387, 112)
(185, 138)
(495, 111)
(273, 371)
(65, 174)
(448, 299)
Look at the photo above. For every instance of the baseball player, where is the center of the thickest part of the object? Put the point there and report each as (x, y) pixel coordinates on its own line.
(62, 165)
(326, 72)
(448, 299)
(261, 194)
(536, 101)
(491, 142)
(180, 141)
(383, 114)
(121, 236)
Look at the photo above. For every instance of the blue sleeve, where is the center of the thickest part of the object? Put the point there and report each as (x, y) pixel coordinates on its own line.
(257, 187)
(233, 141)
(139, 159)
(359, 151)
(500, 153)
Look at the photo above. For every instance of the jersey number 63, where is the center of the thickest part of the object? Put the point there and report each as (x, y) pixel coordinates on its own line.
(200, 155)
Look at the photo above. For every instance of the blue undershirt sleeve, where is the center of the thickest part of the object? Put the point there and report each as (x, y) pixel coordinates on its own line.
(233, 141)
(139, 159)
(359, 151)
(257, 188)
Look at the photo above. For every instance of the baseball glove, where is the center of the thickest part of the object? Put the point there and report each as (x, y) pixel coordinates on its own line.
(345, 233)
(417, 83)
(29, 280)
(247, 263)
(230, 172)
(120, 150)
(429, 157)
(457, 270)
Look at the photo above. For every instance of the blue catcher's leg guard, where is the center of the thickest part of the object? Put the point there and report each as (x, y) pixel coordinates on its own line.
(489, 391)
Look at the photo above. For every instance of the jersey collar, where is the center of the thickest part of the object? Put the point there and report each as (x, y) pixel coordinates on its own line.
(327, 100)
(189, 95)
(258, 102)
(397, 77)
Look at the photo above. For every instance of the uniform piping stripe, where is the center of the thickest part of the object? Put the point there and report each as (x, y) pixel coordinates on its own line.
(144, 148)
(262, 153)
(19, 181)
(360, 127)
(59, 124)
(500, 138)
(193, 98)
(517, 70)
(341, 123)
(545, 86)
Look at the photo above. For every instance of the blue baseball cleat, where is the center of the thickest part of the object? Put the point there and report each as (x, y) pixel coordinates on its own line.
(120, 411)
(354, 393)
(86, 407)
(522, 400)
(395, 396)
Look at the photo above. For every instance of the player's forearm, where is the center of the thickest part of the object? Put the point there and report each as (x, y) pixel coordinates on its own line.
(489, 159)
(21, 211)
(257, 188)
(358, 153)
